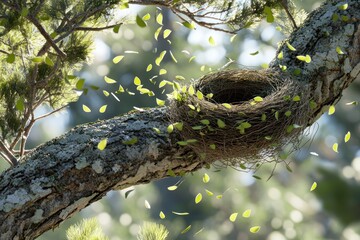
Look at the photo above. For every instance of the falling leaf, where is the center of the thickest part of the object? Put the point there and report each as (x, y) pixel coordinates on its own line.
(206, 178)
(172, 188)
(109, 80)
(180, 213)
(86, 108)
(160, 102)
(186, 229)
(212, 41)
(335, 147)
(103, 109)
(147, 204)
(254, 229)
(117, 59)
(233, 217)
(198, 198)
(331, 110)
(247, 213)
(162, 215)
(347, 136)
(159, 19)
(290, 47)
(166, 33)
(102, 144)
(313, 186)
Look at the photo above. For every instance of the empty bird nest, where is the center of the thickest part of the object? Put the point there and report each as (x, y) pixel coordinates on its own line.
(241, 117)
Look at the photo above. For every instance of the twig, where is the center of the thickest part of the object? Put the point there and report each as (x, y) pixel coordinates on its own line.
(96, 28)
(50, 113)
(284, 5)
(7, 154)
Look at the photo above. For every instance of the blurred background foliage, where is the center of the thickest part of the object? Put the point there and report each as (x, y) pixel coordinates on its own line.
(282, 206)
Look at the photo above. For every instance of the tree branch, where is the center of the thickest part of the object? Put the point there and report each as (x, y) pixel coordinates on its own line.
(68, 173)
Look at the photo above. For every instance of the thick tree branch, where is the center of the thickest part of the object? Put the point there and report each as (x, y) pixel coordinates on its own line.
(68, 173)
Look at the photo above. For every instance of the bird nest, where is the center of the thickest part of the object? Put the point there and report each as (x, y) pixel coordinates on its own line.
(241, 117)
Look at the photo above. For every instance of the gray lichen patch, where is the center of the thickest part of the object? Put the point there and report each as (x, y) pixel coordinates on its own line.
(81, 163)
(17, 199)
(77, 205)
(37, 187)
(97, 166)
(38, 216)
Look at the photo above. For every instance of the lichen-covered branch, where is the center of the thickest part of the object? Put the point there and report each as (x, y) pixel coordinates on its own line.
(68, 173)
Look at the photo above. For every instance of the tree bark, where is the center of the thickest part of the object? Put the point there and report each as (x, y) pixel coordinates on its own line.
(66, 174)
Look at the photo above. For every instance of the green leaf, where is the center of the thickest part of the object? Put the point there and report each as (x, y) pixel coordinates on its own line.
(182, 143)
(339, 51)
(157, 32)
(199, 95)
(233, 217)
(247, 213)
(131, 141)
(331, 110)
(109, 80)
(186, 229)
(10, 58)
(140, 22)
(178, 126)
(290, 47)
(192, 58)
(313, 186)
(212, 146)
(49, 62)
(245, 125)
(128, 192)
(263, 117)
(254, 229)
(159, 19)
(149, 67)
(160, 102)
(137, 81)
(162, 215)
(206, 178)
(117, 59)
(335, 147)
(296, 98)
(280, 55)
(116, 28)
(170, 128)
(306, 58)
(198, 198)
(347, 137)
(20, 104)
(189, 25)
(254, 53)
(179, 78)
(180, 213)
(212, 41)
(162, 71)
(86, 108)
(103, 109)
(209, 193)
(269, 15)
(172, 188)
(166, 33)
(37, 59)
(205, 121)
(258, 99)
(343, 6)
(80, 84)
(146, 17)
(102, 144)
(276, 114)
(191, 90)
(220, 196)
(160, 58)
(220, 123)
(24, 12)
(288, 113)
(226, 105)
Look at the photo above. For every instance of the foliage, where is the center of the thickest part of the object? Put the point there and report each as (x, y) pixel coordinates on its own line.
(152, 231)
(88, 229)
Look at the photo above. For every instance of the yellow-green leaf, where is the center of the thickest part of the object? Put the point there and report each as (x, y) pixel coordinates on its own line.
(339, 51)
(162, 215)
(280, 55)
(160, 102)
(247, 213)
(172, 188)
(212, 41)
(226, 105)
(221, 123)
(103, 109)
(186, 229)
(146, 17)
(199, 95)
(117, 59)
(20, 104)
(254, 229)
(170, 128)
(306, 58)
(343, 6)
(131, 141)
(335, 147)
(198, 198)
(37, 59)
(166, 33)
(160, 58)
(137, 81)
(347, 137)
(313, 186)
(162, 71)
(331, 110)
(258, 99)
(191, 90)
(102, 144)
(86, 108)
(149, 67)
(233, 217)
(209, 193)
(159, 19)
(157, 32)
(109, 80)
(212, 146)
(290, 46)
(189, 25)
(220, 196)
(206, 178)
(49, 62)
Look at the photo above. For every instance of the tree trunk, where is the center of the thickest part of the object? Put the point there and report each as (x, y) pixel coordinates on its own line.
(64, 175)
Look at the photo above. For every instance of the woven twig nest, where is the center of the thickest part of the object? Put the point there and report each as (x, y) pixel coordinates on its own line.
(248, 119)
